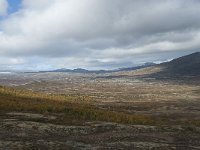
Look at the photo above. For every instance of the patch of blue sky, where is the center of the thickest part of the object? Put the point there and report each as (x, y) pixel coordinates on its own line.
(14, 6)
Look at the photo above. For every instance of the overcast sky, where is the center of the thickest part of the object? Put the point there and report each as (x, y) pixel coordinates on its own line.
(95, 34)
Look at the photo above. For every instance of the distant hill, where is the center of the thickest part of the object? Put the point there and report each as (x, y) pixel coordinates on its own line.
(186, 65)
(80, 70)
(186, 68)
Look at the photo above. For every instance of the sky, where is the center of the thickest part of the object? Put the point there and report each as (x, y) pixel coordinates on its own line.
(95, 34)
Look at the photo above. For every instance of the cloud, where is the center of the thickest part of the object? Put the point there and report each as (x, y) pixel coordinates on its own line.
(109, 33)
(3, 7)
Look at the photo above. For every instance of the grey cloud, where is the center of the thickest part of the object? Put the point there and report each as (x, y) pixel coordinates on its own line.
(101, 32)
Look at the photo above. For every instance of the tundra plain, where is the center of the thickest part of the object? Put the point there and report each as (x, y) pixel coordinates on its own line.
(126, 110)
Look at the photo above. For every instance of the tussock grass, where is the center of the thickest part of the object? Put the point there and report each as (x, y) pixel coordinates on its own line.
(76, 107)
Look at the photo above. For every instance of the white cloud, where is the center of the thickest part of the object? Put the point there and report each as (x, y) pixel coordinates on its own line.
(87, 31)
(3, 7)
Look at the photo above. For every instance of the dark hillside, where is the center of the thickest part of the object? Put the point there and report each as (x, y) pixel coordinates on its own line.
(186, 65)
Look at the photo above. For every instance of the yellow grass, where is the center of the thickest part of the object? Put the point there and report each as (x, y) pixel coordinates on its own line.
(74, 106)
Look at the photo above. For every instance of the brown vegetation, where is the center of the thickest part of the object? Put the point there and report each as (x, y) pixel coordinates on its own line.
(75, 107)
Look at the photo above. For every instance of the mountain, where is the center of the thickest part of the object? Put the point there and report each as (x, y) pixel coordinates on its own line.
(186, 65)
(181, 67)
(80, 70)
(186, 68)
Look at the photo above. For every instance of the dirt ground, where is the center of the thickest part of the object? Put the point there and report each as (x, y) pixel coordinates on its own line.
(32, 131)
(174, 101)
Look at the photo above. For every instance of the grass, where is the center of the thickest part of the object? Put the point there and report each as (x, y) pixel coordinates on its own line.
(75, 107)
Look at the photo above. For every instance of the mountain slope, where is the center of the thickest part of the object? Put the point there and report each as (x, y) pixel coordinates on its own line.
(80, 70)
(186, 65)
(186, 68)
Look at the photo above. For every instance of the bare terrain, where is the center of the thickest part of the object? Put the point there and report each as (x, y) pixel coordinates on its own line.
(154, 108)
(174, 105)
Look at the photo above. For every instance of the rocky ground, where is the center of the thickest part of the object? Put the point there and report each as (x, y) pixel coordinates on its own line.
(37, 132)
(176, 102)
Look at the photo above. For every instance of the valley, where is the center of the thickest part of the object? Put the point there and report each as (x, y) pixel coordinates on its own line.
(140, 109)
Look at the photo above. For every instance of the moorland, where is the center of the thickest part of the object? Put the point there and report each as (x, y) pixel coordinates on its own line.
(156, 107)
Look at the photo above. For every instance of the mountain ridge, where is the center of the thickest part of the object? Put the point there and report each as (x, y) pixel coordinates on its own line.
(185, 65)
(81, 70)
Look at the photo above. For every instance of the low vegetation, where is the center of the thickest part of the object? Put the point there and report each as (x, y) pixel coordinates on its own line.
(75, 107)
